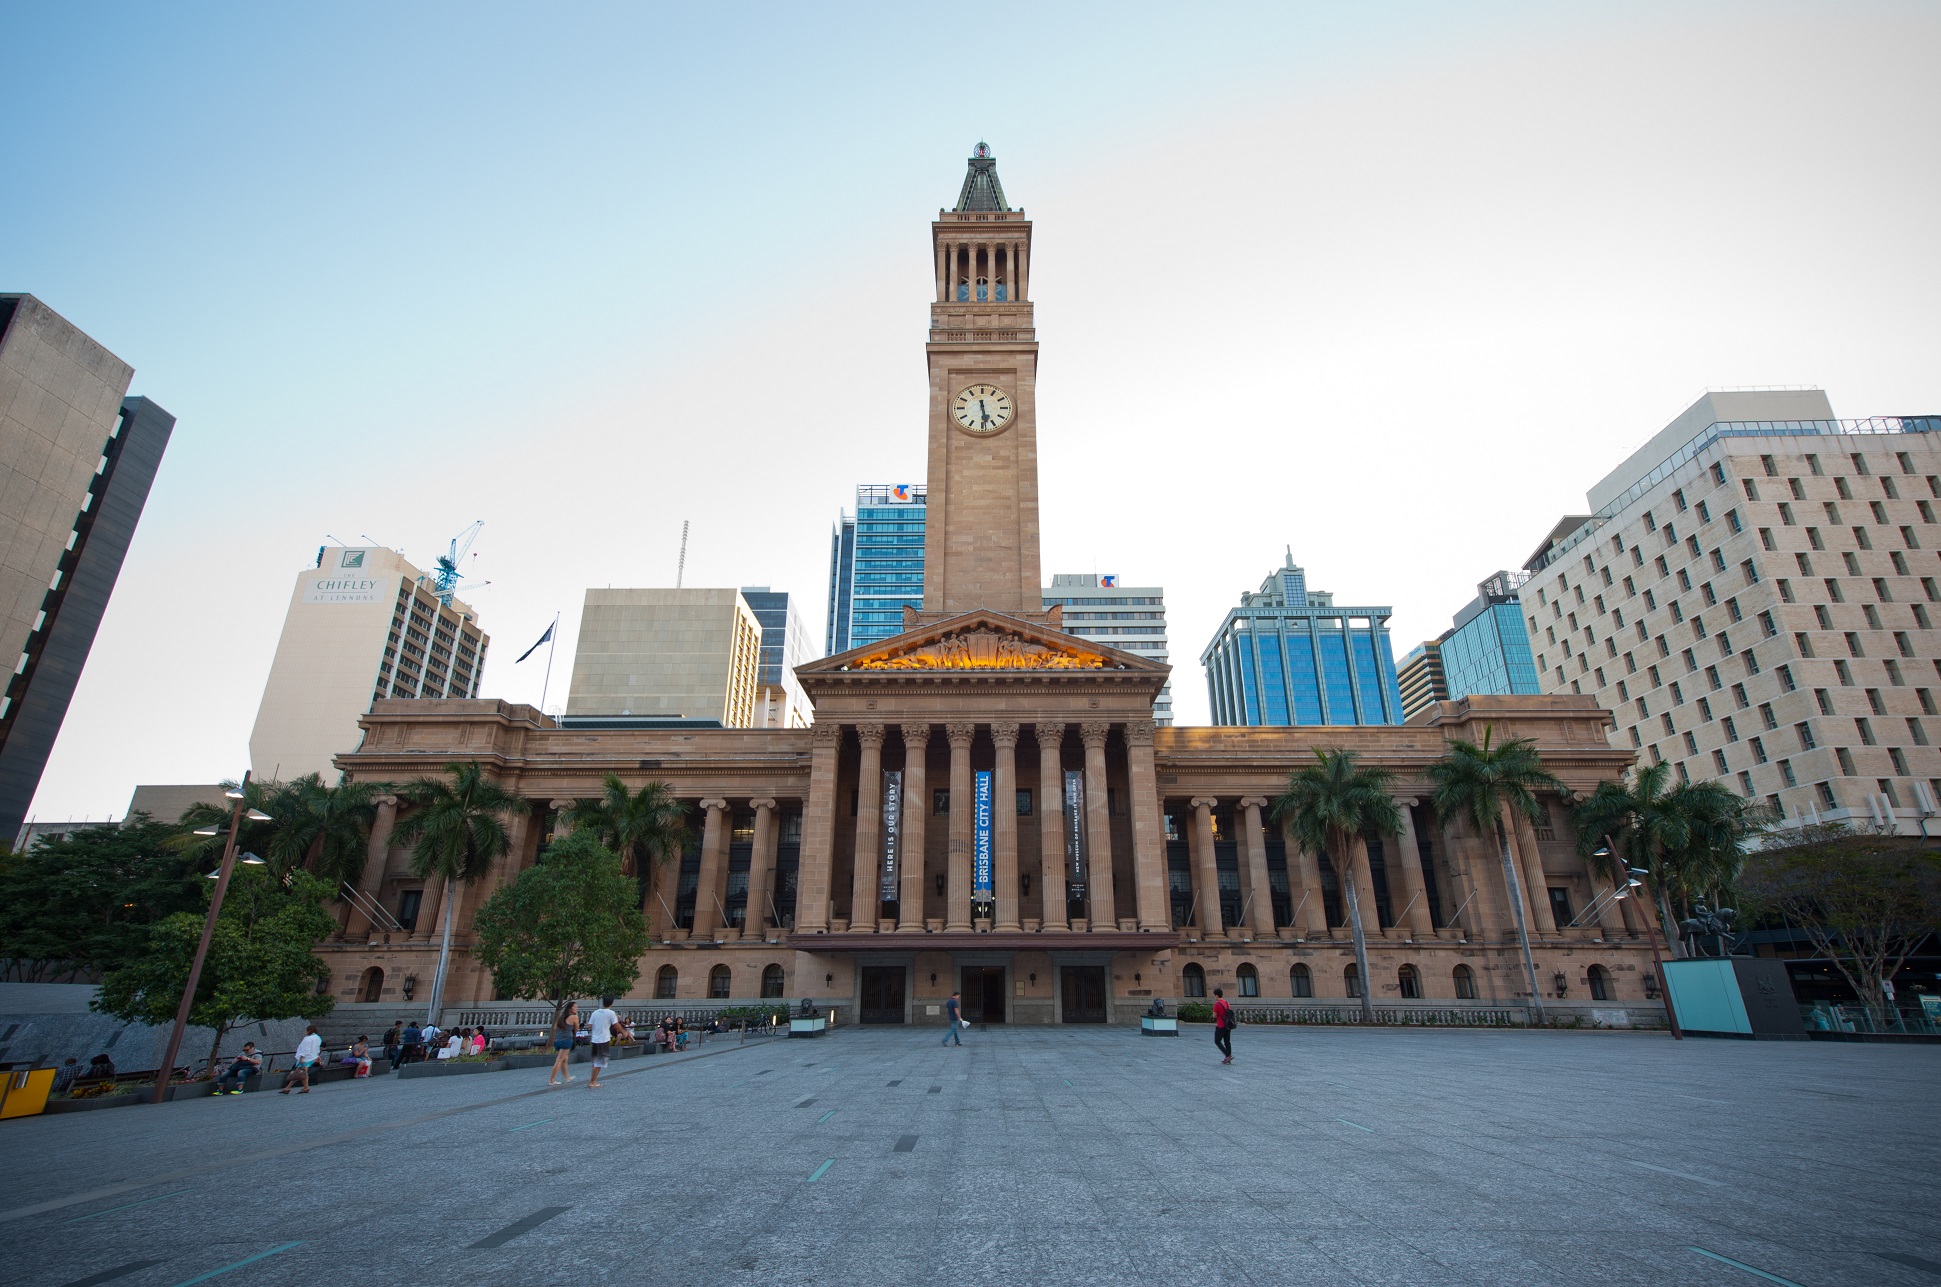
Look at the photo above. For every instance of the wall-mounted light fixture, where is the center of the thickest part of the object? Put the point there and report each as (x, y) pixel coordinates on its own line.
(410, 985)
(1034, 976)
(828, 978)
(933, 976)
(1563, 984)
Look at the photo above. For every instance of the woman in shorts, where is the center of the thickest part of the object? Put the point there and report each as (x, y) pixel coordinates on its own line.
(564, 1027)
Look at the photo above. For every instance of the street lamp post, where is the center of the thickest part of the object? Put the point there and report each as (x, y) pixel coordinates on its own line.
(1651, 931)
(237, 812)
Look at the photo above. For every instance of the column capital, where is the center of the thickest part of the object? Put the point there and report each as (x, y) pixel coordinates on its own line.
(960, 732)
(1050, 735)
(870, 735)
(386, 801)
(1204, 802)
(1411, 802)
(1093, 732)
(713, 804)
(1253, 802)
(560, 806)
(1139, 732)
(1005, 735)
(765, 803)
(825, 734)
(916, 735)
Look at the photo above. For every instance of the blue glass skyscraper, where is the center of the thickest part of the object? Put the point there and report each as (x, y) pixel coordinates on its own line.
(1288, 656)
(1488, 649)
(875, 565)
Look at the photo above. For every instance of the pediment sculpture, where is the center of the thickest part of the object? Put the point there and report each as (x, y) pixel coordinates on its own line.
(981, 650)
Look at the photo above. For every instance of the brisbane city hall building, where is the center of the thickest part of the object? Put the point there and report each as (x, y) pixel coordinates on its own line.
(984, 804)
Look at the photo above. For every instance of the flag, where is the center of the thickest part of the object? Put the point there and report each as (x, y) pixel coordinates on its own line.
(542, 639)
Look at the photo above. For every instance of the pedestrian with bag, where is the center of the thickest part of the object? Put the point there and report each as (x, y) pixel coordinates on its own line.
(309, 1050)
(1223, 1023)
(954, 1017)
(600, 1027)
(564, 1028)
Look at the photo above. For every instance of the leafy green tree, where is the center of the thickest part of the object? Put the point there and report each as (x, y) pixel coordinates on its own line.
(324, 829)
(259, 966)
(1329, 806)
(645, 828)
(83, 903)
(1865, 901)
(455, 834)
(1487, 783)
(1688, 839)
(568, 927)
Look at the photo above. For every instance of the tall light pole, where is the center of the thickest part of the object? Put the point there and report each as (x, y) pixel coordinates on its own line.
(237, 795)
(1651, 930)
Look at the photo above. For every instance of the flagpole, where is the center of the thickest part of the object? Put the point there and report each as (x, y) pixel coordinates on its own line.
(551, 644)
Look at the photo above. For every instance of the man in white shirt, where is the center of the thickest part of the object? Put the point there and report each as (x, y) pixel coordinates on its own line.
(431, 1036)
(599, 1030)
(309, 1050)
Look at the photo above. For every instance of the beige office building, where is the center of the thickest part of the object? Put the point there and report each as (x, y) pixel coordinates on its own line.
(1129, 618)
(362, 624)
(1753, 597)
(690, 655)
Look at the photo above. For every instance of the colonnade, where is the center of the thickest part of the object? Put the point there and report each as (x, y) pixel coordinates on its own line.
(1011, 254)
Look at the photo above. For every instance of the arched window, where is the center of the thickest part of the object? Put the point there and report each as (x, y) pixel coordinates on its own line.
(1248, 979)
(373, 985)
(1600, 983)
(1193, 980)
(1302, 980)
(720, 983)
(1465, 983)
(1411, 982)
(1351, 978)
(665, 982)
(771, 981)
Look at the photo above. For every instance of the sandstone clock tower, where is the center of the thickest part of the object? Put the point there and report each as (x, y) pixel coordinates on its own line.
(981, 547)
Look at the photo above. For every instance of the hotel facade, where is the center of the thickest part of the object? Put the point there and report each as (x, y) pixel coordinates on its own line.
(985, 802)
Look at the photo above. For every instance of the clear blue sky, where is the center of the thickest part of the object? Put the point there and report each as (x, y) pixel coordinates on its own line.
(1412, 277)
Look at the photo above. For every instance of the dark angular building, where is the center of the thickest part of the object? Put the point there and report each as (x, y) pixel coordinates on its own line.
(77, 457)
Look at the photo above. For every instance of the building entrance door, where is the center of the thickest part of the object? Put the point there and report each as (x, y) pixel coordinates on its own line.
(1084, 993)
(882, 994)
(983, 988)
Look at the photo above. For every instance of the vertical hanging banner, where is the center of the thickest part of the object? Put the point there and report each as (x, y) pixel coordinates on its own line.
(892, 834)
(1075, 835)
(981, 890)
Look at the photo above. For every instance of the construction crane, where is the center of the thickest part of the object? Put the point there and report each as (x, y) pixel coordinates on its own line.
(447, 576)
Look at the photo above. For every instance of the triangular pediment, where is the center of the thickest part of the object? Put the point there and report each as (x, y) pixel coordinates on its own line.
(983, 641)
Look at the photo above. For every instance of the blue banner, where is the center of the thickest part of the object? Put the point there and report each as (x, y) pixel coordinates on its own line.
(981, 888)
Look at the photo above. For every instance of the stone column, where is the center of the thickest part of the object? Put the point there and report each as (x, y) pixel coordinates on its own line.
(1004, 827)
(761, 863)
(1304, 882)
(431, 905)
(818, 830)
(1610, 921)
(865, 885)
(1371, 915)
(1206, 869)
(1473, 855)
(1536, 888)
(1051, 824)
(1408, 866)
(943, 276)
(916, 815)
(376, 854)
(1024, 268)
(963, 809)
(1148, 830)
(714, 850)
(1253, 869)
(1098, 827)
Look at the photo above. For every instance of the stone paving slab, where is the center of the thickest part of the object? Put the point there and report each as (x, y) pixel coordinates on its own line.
(1045, 1156)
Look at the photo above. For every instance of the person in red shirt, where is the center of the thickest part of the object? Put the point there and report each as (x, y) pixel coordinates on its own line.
(1223, 1025)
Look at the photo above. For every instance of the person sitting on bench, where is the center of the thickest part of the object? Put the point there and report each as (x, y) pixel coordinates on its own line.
(241, 1069)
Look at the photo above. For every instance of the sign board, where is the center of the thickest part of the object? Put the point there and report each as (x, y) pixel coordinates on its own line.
(350, 587)
(1075, 835)
(892, 833)
(981, 887)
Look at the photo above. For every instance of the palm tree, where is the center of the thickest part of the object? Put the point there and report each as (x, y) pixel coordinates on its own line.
(1685, 839)
(455, 834)
(1486, 783)
(1329, 806)
(645, 828)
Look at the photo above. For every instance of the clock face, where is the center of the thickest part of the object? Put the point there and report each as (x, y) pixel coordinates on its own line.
(983, 409)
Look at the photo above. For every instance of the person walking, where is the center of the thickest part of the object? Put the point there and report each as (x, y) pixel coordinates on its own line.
(241, 1069)
(309, 1050)
(600, 1027)
(1223, 1025)
(564, 1027)
(394, 1044)
(953, 1016)
(411, 1044)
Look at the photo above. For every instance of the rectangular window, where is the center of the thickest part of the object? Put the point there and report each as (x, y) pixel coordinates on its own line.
(1825, 700)
(1786, 774)
(1853, 645)
(1718, 476)
(1678, 499)
(1704, 512)
(1691, 745)
(1752, 573)
(1904, 642)
(1826, 795)
(1846, 760)
(1766, 624)
(1785, 515)
(1841, 669)
(1785, 590)
(1732, 521)
(1766, 463)
(1917, 734)
(1758, 751)
(1875, 702)
(1805, 732)
(1731, 729)
(1927, 701)
(1803, 643)
(1881, 590)
(1813, 463)
(1719, 766)
(1786, 683)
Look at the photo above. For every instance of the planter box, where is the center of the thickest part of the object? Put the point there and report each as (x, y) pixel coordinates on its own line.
(451, 1068)
(525, 1061)
(89, 1105)
(189, 1090)
(1151, 1026)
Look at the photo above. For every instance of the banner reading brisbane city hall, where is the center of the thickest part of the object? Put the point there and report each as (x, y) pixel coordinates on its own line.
(981, 888)
(1075, 835)
(892, 833)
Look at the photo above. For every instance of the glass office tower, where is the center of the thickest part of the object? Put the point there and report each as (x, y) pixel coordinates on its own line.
(1288, 655)
(1488, 650)
(875, 565)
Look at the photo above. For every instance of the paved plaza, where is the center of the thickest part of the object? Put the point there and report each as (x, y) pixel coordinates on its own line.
(1029, 1156)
